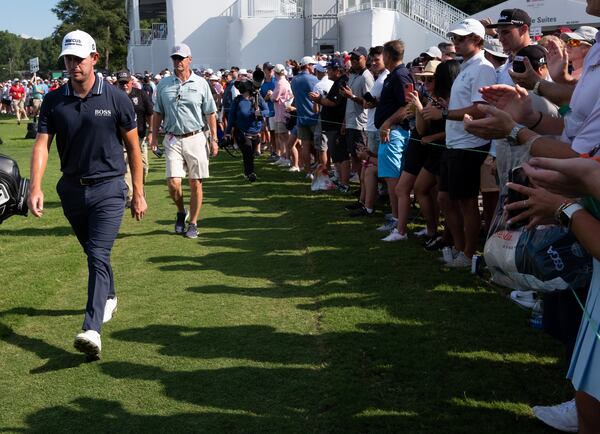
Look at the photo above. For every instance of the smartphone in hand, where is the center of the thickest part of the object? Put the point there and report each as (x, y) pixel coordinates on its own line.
(517, 176)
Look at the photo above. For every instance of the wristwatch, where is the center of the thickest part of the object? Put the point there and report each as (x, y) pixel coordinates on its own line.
(566, 214)
(445, 113)
(513, 135)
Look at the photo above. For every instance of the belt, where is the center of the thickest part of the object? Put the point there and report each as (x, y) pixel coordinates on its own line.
(89, 181)
(184, 135)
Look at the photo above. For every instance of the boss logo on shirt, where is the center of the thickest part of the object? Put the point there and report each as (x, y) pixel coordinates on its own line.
(102, 113)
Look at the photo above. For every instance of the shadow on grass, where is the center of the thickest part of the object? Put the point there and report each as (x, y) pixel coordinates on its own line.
(369, 380)
(57, 358)
(106, 416)
(56, 231)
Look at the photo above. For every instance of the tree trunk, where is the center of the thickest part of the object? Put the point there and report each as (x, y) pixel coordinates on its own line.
(106, 50)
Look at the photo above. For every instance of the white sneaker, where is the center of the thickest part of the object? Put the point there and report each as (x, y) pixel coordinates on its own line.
(421, 233)
(88, 343)
(294, 169)
(524, 299)
(395, 235)
(562, 417)
(388, 226)
(454, 255)
(310, 176)
(109, 308)
(461, 261)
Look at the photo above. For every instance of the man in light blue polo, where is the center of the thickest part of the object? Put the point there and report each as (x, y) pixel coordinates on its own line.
(181, 101)
(302, 85)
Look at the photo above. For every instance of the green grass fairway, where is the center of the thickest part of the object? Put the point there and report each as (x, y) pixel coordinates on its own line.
(284, 316)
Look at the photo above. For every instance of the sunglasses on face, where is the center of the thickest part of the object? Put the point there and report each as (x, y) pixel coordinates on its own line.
(458, 39)
(576, 43)
(178, 58)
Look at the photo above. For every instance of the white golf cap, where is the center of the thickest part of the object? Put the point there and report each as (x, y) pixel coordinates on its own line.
(467, 27)
(280, 69)
(583, 33)
(157, 77)
(307, 60)
(494, 47)
(78, 43)
(209, 71)
(213, 77)
(242, 71)
(181, 50)
(433, 52)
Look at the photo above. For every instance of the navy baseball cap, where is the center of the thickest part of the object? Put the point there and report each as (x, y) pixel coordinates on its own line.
(512, 17)
(335, 64)
(360, 51)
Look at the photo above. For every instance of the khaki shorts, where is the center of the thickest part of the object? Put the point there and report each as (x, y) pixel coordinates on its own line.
(306, 132)
(186, 156)
(489, 183)
(18, 104)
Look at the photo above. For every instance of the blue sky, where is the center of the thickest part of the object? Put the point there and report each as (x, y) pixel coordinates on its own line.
(28, 17)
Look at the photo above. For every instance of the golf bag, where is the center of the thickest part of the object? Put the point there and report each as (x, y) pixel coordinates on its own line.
(13, 189)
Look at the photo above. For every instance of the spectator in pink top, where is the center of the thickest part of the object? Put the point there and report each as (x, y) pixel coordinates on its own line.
(282, 98)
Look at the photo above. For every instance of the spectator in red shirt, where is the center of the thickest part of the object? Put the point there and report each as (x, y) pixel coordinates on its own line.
(17, 92)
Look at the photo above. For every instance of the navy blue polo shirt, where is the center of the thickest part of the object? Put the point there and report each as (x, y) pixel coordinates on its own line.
(392, 94)
(88, 129)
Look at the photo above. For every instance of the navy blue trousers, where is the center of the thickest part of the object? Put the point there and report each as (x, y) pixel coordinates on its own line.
(95, 213)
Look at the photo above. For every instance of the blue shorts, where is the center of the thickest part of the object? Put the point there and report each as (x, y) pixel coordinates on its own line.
(389, 155)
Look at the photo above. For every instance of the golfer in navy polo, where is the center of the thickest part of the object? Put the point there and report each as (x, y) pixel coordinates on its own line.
(91, 122)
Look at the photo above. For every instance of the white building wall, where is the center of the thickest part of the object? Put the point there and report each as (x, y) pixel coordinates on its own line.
(253, 41)
(377, 26)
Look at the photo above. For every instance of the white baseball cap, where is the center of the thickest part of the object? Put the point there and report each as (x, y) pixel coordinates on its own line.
(242, 71)
(467, 27)
(279, 69)
(433, 52)
(78, 43)
(181, 50)
(307, 60)
(583, 33)
(213, 78)
(494, 47)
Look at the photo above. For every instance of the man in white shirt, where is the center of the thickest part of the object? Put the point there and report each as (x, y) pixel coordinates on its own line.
(461, 163)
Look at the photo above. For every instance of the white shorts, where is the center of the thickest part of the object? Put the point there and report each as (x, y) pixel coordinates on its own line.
(271, 123)
(186, 156)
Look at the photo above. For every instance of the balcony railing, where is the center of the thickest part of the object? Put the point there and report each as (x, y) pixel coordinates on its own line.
(266, 9)
(435, 15)
(146, 36)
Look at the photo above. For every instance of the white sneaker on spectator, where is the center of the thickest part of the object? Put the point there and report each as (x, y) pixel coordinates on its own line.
(461, 261)
(562, 417)
(421, 233)
(395, 235)
(294, 169)
(524, 299)
(454, 255)
(88, 343)
(388, 226)
(109, 309)
(310, 176)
